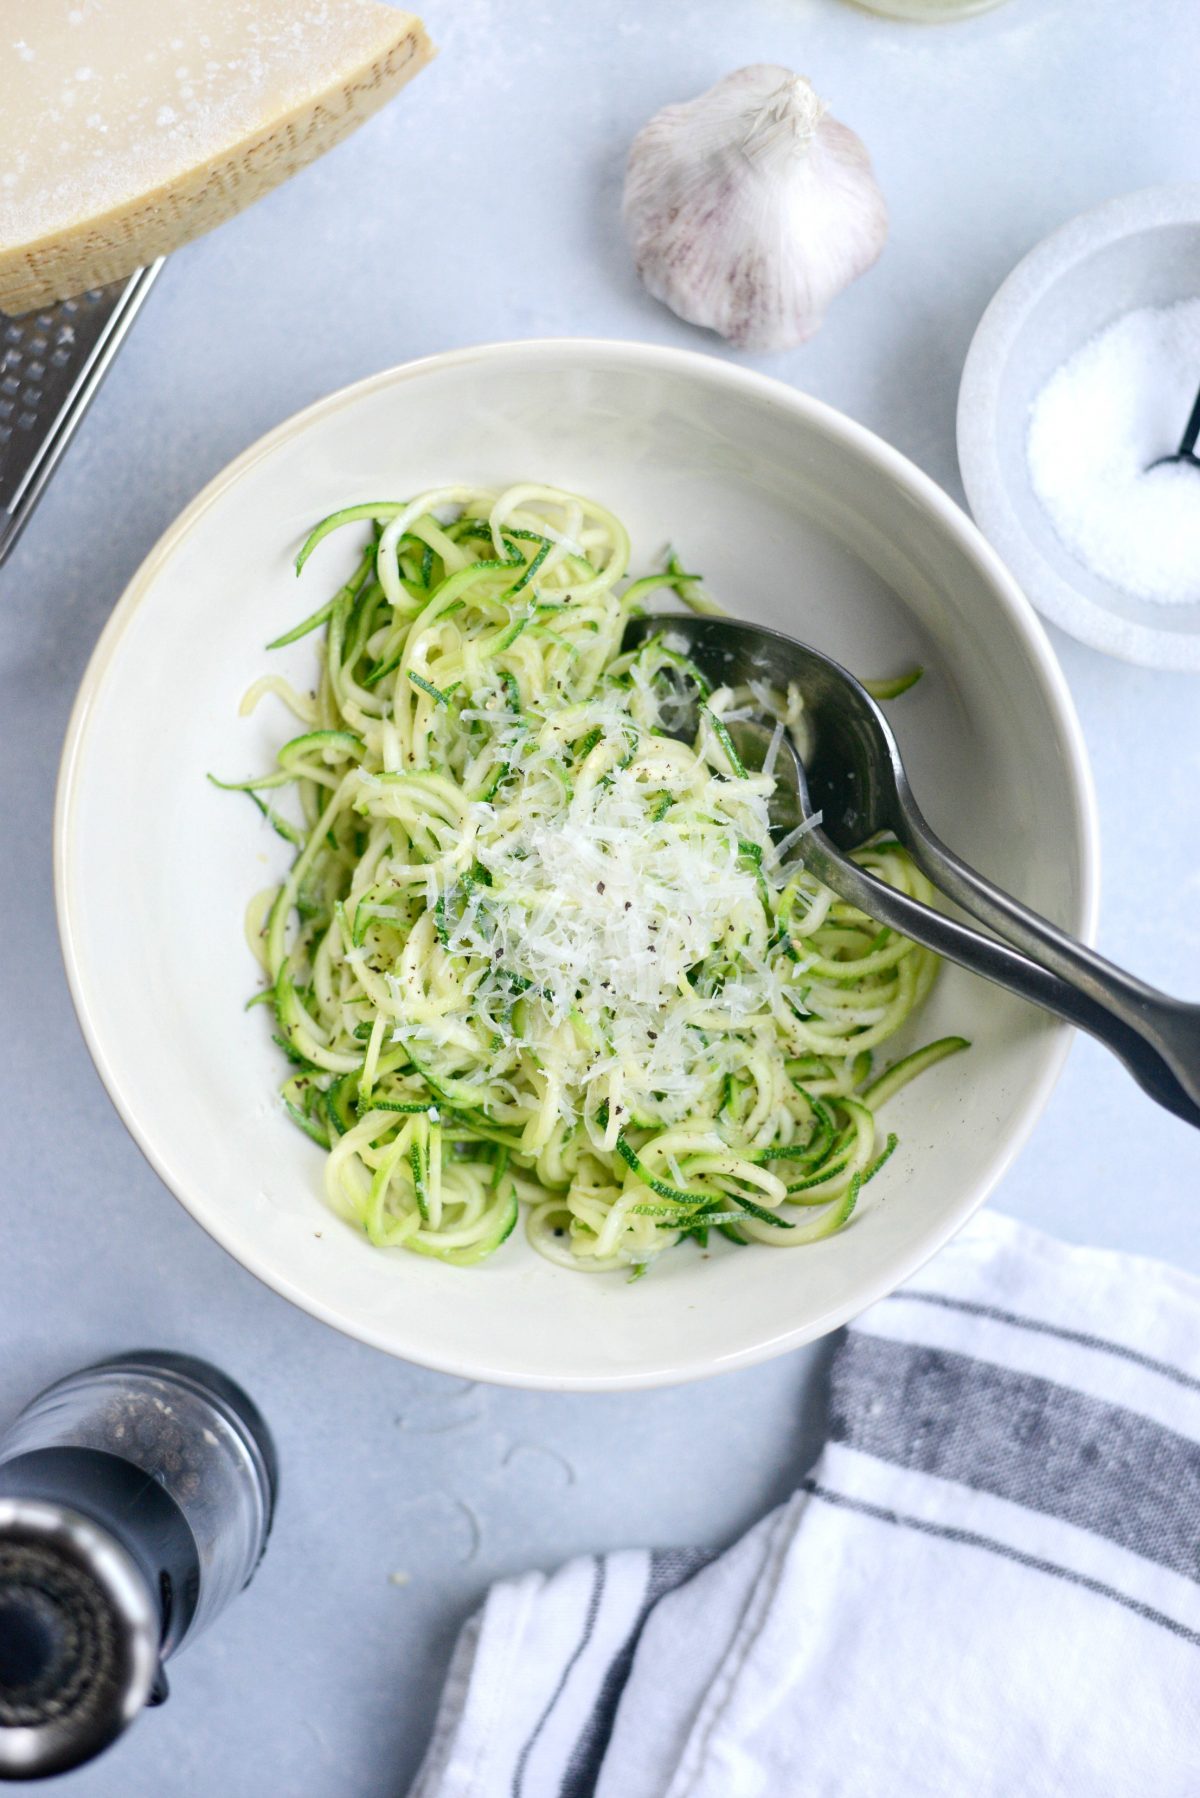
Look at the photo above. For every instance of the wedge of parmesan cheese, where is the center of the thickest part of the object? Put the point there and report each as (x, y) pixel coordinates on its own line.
(128, 127)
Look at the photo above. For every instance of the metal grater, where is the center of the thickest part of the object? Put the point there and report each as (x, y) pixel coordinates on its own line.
(51, 364)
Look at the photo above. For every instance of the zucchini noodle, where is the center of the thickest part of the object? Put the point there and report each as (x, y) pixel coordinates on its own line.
(534, 950)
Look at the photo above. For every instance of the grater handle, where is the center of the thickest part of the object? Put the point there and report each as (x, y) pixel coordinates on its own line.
(51, 364)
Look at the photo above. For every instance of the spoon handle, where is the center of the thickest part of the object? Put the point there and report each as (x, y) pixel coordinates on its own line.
(1134, 1019)
(1002, 964)
(1191, 431)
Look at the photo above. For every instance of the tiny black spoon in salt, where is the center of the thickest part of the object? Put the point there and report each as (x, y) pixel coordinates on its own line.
(1187, 443)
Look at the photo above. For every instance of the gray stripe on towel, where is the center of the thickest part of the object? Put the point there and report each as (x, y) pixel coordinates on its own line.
(971, 1539)
(589, 1624)
(669, 1567)
(1022, 1438)
(1084, 1338)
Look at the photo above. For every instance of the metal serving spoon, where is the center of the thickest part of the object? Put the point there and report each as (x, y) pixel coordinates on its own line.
(854, 778)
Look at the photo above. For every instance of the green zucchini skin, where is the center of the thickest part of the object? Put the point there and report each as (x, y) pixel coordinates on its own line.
(473, 692)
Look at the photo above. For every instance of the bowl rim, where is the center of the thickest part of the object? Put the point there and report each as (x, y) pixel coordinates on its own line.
(1059, 600)
(224, 1228)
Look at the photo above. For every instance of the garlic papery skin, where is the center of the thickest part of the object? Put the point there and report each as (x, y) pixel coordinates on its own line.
(749, 209)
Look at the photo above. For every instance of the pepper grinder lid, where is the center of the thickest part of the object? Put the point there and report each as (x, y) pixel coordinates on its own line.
(79, 1636)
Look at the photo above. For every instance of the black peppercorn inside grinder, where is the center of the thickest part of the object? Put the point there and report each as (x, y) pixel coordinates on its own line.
(135, 1501)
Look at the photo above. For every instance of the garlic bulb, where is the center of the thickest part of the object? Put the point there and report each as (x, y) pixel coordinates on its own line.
(749, 208)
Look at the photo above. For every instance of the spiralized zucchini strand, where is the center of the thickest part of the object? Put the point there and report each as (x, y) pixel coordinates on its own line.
(533, 950)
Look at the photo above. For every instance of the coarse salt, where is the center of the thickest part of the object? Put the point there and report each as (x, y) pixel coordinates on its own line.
(1102, 418)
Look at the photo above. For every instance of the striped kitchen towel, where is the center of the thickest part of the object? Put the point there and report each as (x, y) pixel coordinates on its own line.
(988, 1587)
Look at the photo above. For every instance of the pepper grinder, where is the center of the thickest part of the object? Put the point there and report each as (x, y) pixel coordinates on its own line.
(135, 1501)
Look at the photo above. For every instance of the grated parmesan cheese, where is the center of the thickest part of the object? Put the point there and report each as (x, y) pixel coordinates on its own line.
(632, 939)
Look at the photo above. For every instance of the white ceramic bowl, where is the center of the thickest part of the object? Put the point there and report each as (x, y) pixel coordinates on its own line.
(1142, 249)
(795, 516)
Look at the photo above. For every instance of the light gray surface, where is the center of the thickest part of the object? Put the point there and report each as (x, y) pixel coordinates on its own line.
(483, 204)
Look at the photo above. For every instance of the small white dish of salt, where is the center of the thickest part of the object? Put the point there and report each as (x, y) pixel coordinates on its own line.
(1080, 382)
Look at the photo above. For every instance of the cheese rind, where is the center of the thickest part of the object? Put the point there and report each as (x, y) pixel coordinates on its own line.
(112, 154)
